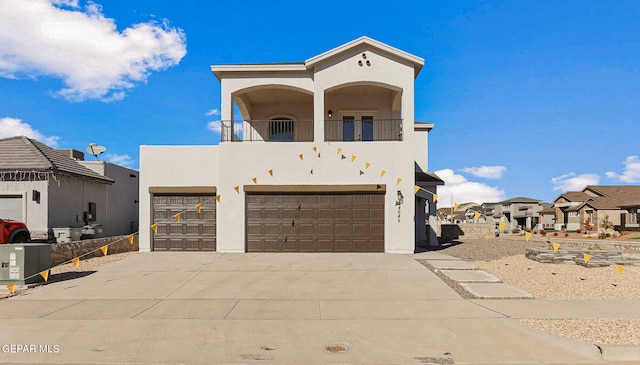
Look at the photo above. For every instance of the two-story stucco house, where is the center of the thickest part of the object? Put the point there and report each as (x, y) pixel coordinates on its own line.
(325, 157)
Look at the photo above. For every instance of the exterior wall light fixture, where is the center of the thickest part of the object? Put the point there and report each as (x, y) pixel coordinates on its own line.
(330, 113)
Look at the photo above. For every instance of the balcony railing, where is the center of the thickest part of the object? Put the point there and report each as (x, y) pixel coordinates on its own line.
(302, 130)
(363, 130)
(267, 131)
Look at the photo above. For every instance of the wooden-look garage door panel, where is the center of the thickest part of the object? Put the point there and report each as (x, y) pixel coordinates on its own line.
(196, 231)
(315, 222)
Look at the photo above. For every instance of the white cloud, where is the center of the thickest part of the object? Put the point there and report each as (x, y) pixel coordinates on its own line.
(214, 111)
(465, 191)
(11, 127)
(631, 173)
(574, 182)
(488, 172)
(215, 126)
(83, 48)
(116, 159)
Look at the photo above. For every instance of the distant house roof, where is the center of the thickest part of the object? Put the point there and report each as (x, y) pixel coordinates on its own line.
(520, 199)
(24, 155)
(574, 196)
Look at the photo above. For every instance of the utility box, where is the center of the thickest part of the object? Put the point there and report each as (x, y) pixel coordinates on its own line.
(67, 234)
(21, 263)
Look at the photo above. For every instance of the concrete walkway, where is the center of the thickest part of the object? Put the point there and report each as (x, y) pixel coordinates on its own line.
(201, 308)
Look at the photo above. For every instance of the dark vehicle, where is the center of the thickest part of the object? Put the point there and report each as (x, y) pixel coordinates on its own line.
(13, 232)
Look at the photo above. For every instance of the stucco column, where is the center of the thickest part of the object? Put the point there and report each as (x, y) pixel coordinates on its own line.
(319, 114)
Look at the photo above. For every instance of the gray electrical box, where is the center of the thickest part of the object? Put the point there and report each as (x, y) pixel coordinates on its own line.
(18, 262)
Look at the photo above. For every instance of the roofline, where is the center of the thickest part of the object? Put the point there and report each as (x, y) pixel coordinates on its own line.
(303, 66)
(266, 67)
(417, 61)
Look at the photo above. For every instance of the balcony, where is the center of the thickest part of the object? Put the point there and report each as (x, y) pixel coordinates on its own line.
(285, 130)
(365, 129)
(282, 130)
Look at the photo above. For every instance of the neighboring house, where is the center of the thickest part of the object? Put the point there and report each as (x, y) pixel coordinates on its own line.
(586, 209)
(517, 212)
(325, 159)
(47, 189)
(547, 217)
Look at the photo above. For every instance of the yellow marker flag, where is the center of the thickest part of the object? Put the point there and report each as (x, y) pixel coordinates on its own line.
(301, 156)
(76, 262)
(339, 150)
(45, 274)
(398, 181)
(154, 227)
(415, 189)
(382, 173)
(367, 165)
(527, 236)
(455, 206)
(353, 158)
(501, 226)
(556, 246)
(476, 215)
(218, 198)
(620, 269)
(587, 257)
(255, 180)
(12, 288)
(177, 217)
(271, 172)
(104, 250)
(130, 238)
(435, 198)
(199, 207)
(315, 149)
(237, 188)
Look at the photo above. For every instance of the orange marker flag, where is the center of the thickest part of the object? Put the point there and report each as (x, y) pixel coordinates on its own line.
(45, 274)
(501, 226)
(415, 189)
(301, 156)
(455, 206)
(130, 238)
(620, 269)
(315, 149)
(556, 246)
(353, 158)
(476, 215)
(237, 188)
(255, 180)
(177, 217)
(527, 236)
(104, 250)
(587, 257)
(154, 227)
(398, 181)
(218, 198)
(382, 173)
(271, 171)
(435, 198)
(76, 261)
(367, 165)
(12, 288)
(339, 150)
(199, 207)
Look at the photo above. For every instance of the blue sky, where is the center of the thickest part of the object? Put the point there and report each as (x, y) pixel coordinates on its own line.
(528, 98)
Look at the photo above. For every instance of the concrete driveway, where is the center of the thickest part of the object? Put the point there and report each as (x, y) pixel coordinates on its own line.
(268, 308)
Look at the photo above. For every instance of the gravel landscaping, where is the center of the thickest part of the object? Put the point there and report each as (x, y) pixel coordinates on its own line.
(505, 259)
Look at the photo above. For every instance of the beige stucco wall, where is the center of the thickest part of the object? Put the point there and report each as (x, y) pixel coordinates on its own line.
(121, 208)
(174, 166)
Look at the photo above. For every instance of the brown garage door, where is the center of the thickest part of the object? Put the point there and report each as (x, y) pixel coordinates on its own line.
(315, 222)
(194, 232)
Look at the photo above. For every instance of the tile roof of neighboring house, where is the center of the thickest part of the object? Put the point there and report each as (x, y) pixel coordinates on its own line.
(547, 211)
(623, 193)
(22, 154)
(574, 196)
(520, 199)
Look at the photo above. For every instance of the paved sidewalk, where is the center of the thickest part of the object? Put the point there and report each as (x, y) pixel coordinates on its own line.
(200, 308)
